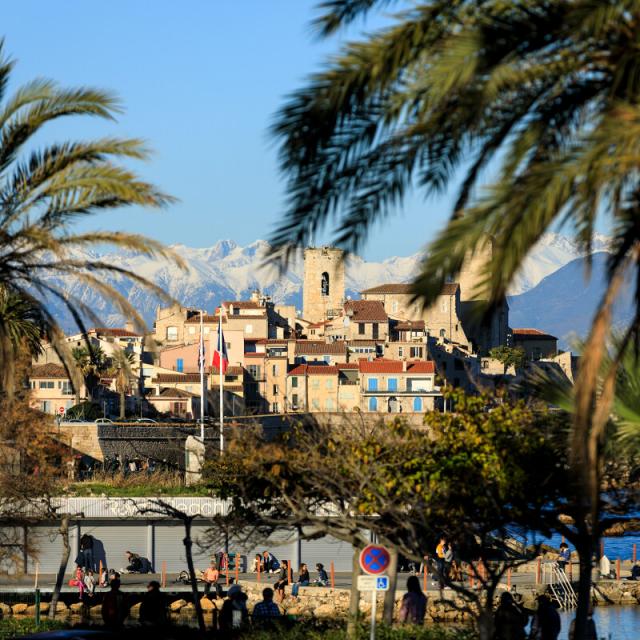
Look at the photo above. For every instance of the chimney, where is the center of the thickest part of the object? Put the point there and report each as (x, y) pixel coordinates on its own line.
(404, 366)
(128, 325)
(255, 295)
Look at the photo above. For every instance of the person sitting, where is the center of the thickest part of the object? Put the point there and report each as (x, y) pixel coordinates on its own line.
(145, 565)
(256, 564)
(303, 580)
(134, 563)
(635, 571)
(323, 579)
(564, 556)
(283, 580)
(211, 576)
(266, 610)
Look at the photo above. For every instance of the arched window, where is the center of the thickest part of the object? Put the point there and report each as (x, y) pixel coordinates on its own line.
(324, 287)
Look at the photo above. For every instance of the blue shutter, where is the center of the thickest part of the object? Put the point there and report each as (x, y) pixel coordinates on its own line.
(373, 404)
(417, 404)
(179, 365)
(392, 384)
(373, 384)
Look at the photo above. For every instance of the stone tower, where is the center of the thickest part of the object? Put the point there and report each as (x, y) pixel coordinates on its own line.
(484, 333)
(323, 284)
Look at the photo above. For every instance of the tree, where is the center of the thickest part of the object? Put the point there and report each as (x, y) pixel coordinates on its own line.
(468, 476)
(121, 362)
(91, 361)
(510, 357)
(543, 94)
(42, 191)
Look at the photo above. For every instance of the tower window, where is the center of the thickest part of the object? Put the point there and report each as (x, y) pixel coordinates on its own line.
(324, 287)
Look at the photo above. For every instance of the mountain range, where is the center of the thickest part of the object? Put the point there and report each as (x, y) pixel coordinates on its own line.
(227, 271)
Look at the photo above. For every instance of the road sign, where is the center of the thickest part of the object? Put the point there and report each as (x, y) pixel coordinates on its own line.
(61, 410)
(373, 583)
(374, 559)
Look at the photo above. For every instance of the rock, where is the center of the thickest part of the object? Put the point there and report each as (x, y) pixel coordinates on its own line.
(76, 607)
(96, 610)
(176, 605)
(5, 610)
(188, 608)
(31, 609)
(135, 610)
(325, 611)
(207, 605)
(19, 608)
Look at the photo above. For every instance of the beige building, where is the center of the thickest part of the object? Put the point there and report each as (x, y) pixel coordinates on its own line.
(323, 388)
(323, 283)
(51, 389)
(536, 344)
(313, 351)
(441, 319)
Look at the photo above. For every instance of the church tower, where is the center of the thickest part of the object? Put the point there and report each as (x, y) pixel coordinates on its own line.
(323, 284)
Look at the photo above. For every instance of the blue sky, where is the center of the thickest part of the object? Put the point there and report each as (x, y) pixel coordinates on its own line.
(200, 81)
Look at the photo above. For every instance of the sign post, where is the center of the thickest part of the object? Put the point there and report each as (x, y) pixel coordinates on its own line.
(374, 561)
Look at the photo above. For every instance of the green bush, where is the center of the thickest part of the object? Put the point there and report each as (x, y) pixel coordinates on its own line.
(14, 627)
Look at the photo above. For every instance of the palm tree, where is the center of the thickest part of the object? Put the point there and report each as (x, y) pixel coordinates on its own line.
(42, 192)
(121, 368)
(91, 362)
(20, 333)
(543, 95)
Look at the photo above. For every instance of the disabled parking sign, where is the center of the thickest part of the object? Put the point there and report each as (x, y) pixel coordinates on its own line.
(374, 559)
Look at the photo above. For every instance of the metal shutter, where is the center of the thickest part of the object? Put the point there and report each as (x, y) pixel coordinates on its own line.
(48, 548)
(169, 547)
(112, 540)
(325, 550)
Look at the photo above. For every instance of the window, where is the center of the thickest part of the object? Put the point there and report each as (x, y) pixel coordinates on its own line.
(329, 384)
(47, 384)
(416, 352)
(274, 370)
(294, 399)
(46, 406)
(375, 330)
(400, 352)
(294, 381)
(248, 328)
(67, 390)
(324, 284)
(392, 384)
(328, 404)
(373, 404)
(315, 383)
(192, 330)
(254, 371)
(372, 384)
(315, 404)
(275, 407)
(361, 328)
(276, 391)
(443, 333)
(417, 404)
(172, 333)
(180, 364)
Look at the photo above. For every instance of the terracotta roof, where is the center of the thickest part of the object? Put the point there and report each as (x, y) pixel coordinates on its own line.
(49, 370)
(381, 366)
(347, 365)
(364, 343)
(250, 316)
(366, 311)
(309, 347)
(313, 370)
(168, 393)
(449, 289)
(231, 371)
(185, 378)
(206, 319)
(531, 333)
(421, 366)
(116, 332)
(410, 325)
(242, 304)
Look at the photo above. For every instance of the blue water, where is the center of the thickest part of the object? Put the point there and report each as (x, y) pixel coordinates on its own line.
(614, 548)
(612, 623)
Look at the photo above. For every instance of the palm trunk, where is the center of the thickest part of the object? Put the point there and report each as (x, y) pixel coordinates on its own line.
(66, 552)
(122, 405)
(188, 543)
(585, 550)
(354, 600)
(390, 596)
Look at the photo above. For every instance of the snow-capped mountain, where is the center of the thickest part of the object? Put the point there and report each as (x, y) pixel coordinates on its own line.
(227, 271)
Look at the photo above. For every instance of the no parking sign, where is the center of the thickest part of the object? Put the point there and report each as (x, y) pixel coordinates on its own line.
(374, 559)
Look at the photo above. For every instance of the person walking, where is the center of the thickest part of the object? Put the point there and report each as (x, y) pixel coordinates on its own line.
(266, 610)
(414, 603)
(114, 606)
(282, 580)
(510, 619)
(303, 580)
(153, 608)
(546, 621)
(441, 550)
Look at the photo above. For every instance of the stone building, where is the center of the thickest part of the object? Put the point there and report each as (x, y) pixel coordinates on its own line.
(536, 344)
(323, 284)
(51, 388)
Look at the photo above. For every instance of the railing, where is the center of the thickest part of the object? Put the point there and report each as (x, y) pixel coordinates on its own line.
(561, 588)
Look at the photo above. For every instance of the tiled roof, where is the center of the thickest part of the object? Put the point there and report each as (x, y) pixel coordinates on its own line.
(231, 371)
(531, 333)
(249, 316)
(366, 311)
(381, 366)
(421, 366)
(347, 365)
(364, 343)
(184, 378)
(242, 304)
(206, 319)
(49, 370)
(116, 332)
(449, 289)
(313, 370)
(310, 347)
(410, 325)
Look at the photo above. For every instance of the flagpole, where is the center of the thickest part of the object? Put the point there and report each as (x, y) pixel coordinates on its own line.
(220, 367)
(201, 358)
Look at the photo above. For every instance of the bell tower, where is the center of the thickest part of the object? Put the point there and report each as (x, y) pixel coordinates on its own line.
(323, 284)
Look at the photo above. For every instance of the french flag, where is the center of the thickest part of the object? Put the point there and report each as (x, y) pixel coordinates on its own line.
(220, 357)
